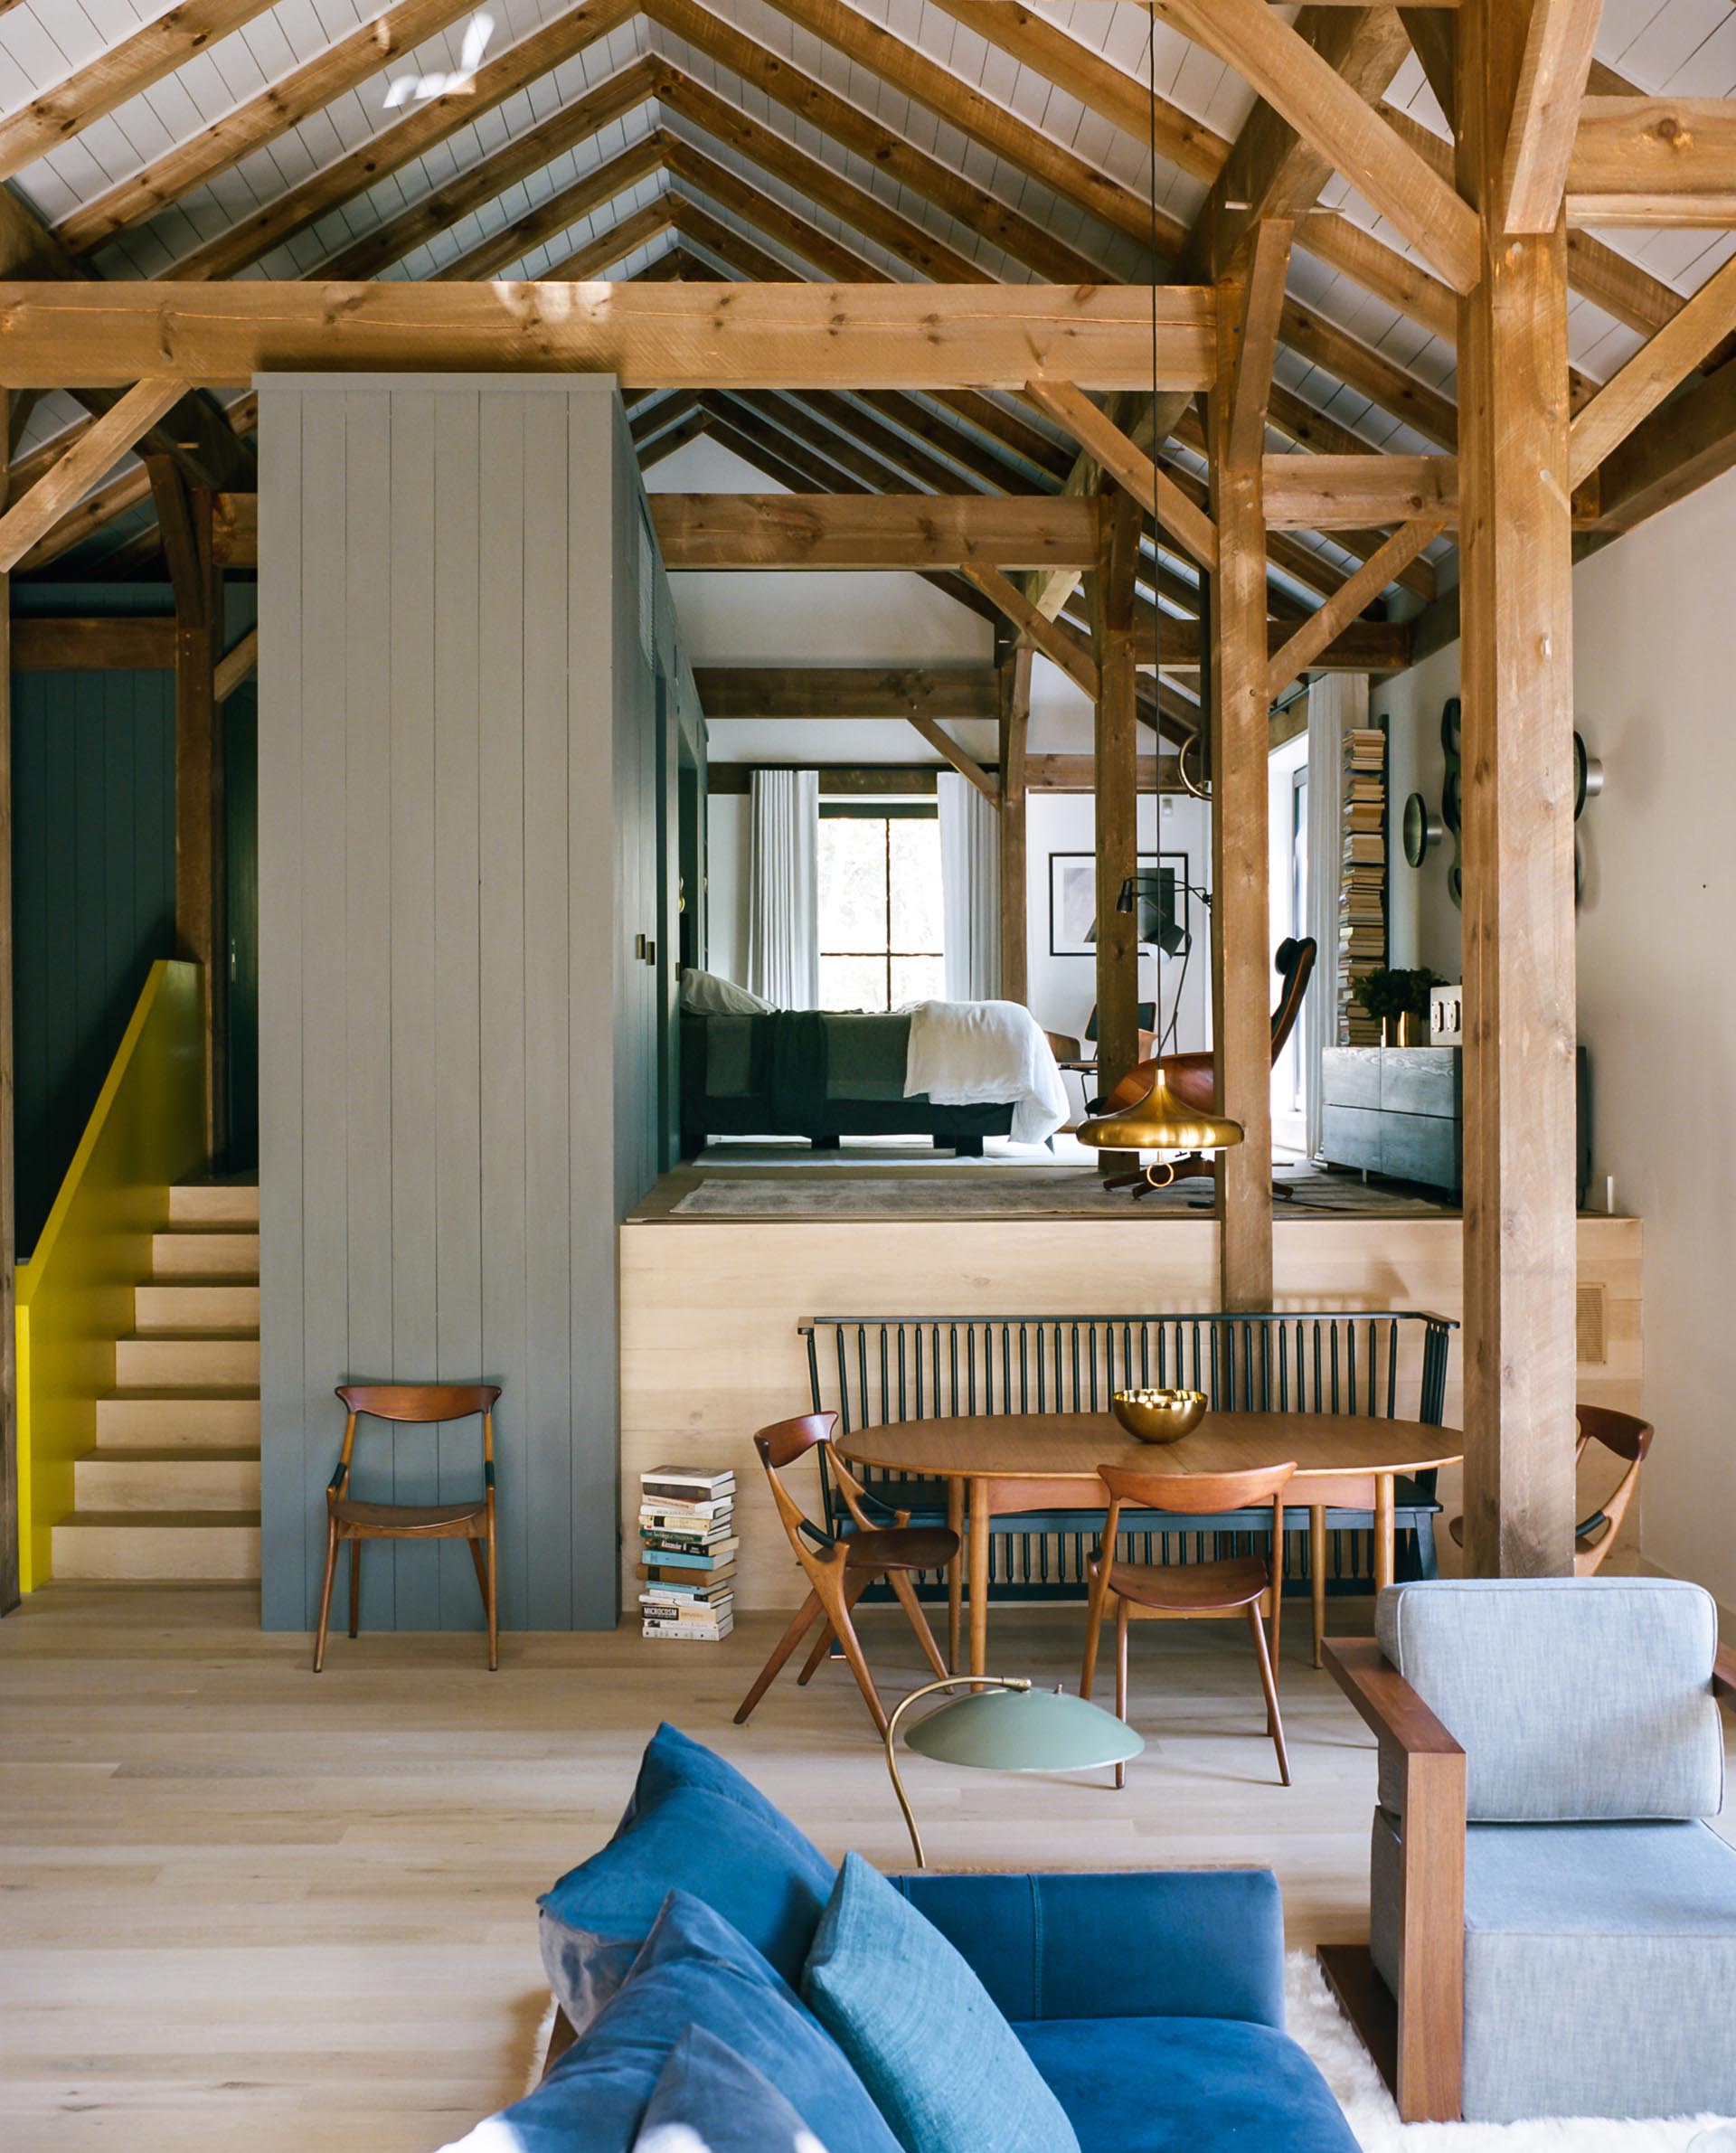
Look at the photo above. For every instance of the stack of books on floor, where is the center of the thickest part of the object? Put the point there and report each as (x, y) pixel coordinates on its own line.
(1362, 894)
(687, 1553)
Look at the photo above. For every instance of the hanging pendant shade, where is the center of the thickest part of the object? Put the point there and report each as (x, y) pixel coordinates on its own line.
(1160, 1122)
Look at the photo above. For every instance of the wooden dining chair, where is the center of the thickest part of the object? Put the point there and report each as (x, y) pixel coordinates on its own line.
(1189, 1592)
(1625, 1436)
(841, 1566)
(424, 1404)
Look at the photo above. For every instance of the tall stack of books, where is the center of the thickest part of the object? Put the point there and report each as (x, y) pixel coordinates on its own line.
(1362, 892)
(687, 1553)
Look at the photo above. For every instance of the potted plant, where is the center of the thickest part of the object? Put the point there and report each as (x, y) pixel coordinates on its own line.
(1399, 1001)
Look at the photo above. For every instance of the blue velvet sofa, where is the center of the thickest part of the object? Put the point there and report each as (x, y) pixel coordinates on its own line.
(1151, 2002)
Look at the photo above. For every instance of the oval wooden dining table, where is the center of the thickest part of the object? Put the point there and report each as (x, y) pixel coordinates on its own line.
(1005, 1464)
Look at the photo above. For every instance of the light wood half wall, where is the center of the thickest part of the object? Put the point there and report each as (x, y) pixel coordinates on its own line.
(709, 1310)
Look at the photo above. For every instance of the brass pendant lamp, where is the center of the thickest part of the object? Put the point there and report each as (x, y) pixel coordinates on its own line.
(1158, 1121)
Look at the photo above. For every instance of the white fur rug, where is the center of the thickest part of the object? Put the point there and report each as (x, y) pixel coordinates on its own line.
(1318, 2024)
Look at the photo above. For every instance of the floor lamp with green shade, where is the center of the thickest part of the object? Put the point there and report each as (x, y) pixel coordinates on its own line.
(1008, 1724)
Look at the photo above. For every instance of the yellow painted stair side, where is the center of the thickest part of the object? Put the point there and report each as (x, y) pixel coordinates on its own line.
(75, 1295)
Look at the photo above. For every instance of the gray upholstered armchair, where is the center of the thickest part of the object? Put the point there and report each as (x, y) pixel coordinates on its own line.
(1552, 1921)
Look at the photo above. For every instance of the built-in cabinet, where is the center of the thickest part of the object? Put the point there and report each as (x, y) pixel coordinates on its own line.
(468, 659)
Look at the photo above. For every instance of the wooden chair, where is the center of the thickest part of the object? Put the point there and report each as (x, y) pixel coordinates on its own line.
(1626, 1435)
(841, 1566)
(1189, 1592)
(1192, 1078)
(472, 1520)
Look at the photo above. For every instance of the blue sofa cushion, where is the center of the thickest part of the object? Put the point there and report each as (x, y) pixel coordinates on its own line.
(1179, 2085)
(1575, 1699)
(1565, 1927)
(709, 2100)
(696, 1825)
(1146, 1943)
(942, 2064)
(694, 1971)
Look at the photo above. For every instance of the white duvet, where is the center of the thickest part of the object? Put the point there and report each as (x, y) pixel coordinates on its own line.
(979, 1053)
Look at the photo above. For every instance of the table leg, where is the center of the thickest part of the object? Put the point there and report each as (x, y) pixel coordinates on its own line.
(979, 1577)
(1318, 1574)
(956, 1575)
(1384, 1558)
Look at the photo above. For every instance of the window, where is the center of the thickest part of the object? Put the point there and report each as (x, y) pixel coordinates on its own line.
(880, 911)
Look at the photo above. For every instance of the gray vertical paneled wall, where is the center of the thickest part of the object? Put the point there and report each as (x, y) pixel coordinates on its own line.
(457, 1098)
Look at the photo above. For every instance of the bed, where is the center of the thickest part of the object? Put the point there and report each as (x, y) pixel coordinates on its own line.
(815, 1073)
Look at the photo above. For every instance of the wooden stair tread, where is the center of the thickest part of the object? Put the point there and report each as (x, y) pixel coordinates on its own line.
(182, 1394)
(159, 1520)
(191, 1454)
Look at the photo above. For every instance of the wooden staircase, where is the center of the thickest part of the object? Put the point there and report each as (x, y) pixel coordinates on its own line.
(171, 1488)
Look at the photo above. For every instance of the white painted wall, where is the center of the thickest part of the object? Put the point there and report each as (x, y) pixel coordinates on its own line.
(1064, 988)
(1653, 679)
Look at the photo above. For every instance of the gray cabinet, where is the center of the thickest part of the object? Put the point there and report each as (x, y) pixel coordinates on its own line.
(1393, 1111)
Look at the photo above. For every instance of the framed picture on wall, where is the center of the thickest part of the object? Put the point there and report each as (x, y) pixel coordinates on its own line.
(1072, 899)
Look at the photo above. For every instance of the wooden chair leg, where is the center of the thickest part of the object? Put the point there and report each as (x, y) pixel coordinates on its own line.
(858, 1663)
(955, 1576)
(1274, 1724)
(1094, 1622)
(494, 1600)
(912, 1607)
(355, 1586)
(325, 1594)
(1317, 1577)
(1122, 1628)
(821, 1650)
(485, 1584)
(807, 1616)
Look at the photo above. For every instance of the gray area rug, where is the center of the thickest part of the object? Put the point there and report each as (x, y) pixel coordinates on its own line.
(1011, 1195)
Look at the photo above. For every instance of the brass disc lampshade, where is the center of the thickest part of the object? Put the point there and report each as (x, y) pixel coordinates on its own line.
(1160, 1122)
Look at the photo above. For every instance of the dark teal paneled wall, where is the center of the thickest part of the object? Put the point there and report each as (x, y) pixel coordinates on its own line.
(93, 896)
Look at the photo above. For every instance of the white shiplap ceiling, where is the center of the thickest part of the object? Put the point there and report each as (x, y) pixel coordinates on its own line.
(1681, 46)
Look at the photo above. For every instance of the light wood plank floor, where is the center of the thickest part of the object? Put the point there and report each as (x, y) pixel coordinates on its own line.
(240, 1906)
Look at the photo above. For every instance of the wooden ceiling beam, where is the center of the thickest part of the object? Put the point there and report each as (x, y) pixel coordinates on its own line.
(1552, 74)
(1686, 442)
(281, 218)
(519, 159)
(961, 760)
(1654, 161)
(121, 70)
(681, 335)
(1348, 492)
(503, 250)
(111, 437)
(1403, 395)
(762, 145)
(259, 120)
(1036, 628)
(943, 693)
(788, 463)
(1359, 646)
(1632, 394)
(857, 531)
(653, 451)
(1040, 44)
(638, 229)
(1323, 626)
(1326, 111)
(981, 118)
(1274, 170)
(1102, 440)
(772, 75)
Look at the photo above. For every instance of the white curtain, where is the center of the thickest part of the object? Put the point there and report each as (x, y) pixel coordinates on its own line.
(784, 889)
(1337, 702)
(970, 882)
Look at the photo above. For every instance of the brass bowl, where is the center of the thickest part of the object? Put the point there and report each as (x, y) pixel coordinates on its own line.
(1159, 1416)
